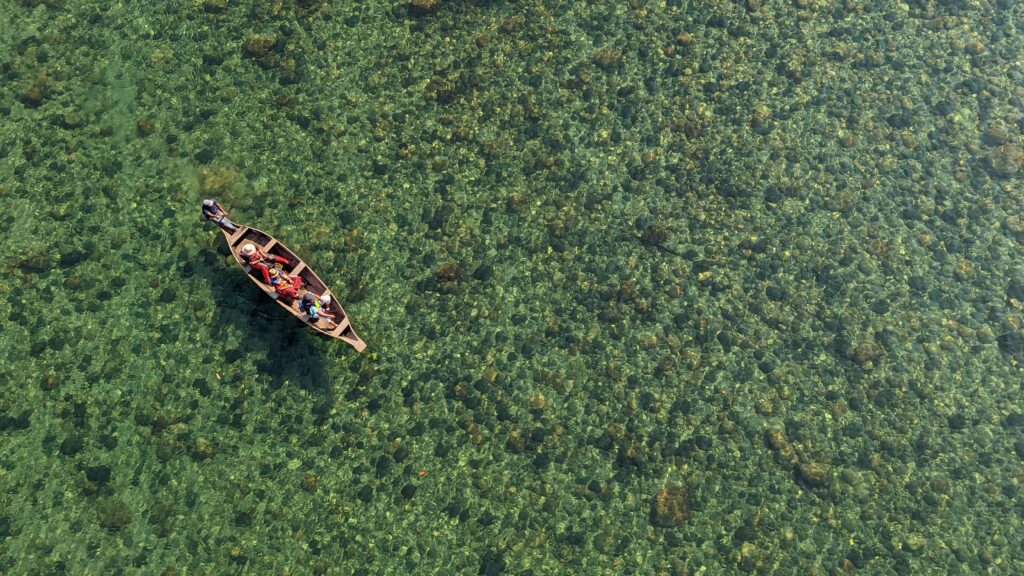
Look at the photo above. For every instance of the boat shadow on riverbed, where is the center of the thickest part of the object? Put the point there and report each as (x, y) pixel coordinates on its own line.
(283, 350)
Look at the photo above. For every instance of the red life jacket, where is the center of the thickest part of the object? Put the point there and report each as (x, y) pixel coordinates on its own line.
(256, 257)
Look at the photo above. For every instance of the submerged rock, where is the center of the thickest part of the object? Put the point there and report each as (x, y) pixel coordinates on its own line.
(145, 126)
(996, 134)
(98, 474)
(1007, 160)
(1014, 224)
(309, 482)
(859, 352)
(1015, 288)
(815, 474)
(1011, 344)
(670, 507)
(203, 450)
(71, 445)
(424, 5)
(608, 58)
(34, 95)
(258, 46)
(113, 514)
(776, 439)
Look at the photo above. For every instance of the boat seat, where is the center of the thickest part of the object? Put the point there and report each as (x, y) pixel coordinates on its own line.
(342, 325)
(237, 235)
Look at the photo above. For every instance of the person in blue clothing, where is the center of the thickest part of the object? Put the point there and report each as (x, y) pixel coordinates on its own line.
(213, 211)
(313, 307)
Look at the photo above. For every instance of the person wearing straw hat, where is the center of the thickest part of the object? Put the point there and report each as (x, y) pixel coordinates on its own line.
(258, 260)
(286, 286)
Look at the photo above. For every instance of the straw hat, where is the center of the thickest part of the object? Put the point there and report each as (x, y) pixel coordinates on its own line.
(248, 250)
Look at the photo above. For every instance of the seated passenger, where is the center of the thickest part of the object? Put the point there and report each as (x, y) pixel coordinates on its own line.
(285, 285)
(313, 307)
(326, 301)
(259, 259)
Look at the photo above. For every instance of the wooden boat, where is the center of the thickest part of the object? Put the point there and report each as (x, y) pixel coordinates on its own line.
(310, 281)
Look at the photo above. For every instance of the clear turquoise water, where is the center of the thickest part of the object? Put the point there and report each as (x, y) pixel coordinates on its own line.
(761, 254)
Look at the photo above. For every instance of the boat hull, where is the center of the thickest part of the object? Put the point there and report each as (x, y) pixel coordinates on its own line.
(270, 245)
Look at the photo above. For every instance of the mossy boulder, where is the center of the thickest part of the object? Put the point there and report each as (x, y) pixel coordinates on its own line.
(815, 474)
(34, 259)
(1006, 161)
(203, 450)
(71, 445)
(309, 482)
(113, 514)
(608, 58)
(423, 6)
(858, 351)
(670, 507)
(256, 46)
(98, 474)
(442, 89)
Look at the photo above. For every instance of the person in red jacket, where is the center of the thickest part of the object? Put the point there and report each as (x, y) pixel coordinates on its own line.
(259, 259)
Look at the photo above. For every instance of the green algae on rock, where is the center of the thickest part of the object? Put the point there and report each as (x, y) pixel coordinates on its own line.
(670, 507)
